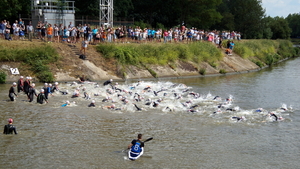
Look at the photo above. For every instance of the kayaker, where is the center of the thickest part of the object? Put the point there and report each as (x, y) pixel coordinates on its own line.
(9, 128)
(136, 144)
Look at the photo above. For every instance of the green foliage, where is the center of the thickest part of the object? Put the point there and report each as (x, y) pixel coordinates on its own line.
(280, 28)
(222, 71)
(160, 54)
(294, 23)
(2, 77)
(37, 58)
(259, 63)
(202, 71)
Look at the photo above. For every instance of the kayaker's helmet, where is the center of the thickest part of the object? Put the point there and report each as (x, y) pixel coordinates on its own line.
(10, 120)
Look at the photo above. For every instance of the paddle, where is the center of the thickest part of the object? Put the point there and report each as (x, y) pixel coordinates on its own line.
(143, 142)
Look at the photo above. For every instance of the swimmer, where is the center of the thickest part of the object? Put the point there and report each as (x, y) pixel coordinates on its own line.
(55, 87)
(107, 82)
(274, 115)
(218, 111)
(109, 107)
(192, 110)
(64, 92)
(168, 108)
(239, 118)
(41, 97)
(76, 93)
(138, 109)
(9, 128)
(12, 92)
(66, 104)
(155, 104)
(259, 110)
(192, 107)
(92, 104)
(106, 99)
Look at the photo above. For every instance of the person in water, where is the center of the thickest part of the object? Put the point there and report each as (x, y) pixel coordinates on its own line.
(239, 118)
(136, 144)
(107, 82)
(92, 104)
(21, 84)
(9, 128)
(12, 92)
(41, 97)
(31, 92)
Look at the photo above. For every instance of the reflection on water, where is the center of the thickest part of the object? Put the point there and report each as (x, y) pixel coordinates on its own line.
(78, 136)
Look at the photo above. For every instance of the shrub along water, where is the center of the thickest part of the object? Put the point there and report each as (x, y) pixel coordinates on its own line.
(160, 53)
(37, 58)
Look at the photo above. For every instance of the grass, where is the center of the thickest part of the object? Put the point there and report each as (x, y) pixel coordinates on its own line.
(37, 58)
(160, 54)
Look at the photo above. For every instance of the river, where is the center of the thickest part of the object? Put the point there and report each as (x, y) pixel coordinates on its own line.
(78, 136)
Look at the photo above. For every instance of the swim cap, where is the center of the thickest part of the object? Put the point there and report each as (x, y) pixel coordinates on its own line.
(50, 84)
(56, 83)
(111, 80)
(113, 105)
(46, 84)
(93, 101)
(10, 120)
(21, 77)
(42, 90)
(117, 83)
(32, 84)
(68, 102)
(14, 83)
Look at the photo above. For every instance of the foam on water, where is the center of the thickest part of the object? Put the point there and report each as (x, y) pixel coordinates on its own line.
(165, 97)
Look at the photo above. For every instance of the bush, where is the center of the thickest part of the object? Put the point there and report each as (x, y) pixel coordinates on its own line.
(222, 71)
(202, 71)
(2, 77)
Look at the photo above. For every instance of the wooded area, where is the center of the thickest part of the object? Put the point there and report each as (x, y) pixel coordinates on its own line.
(245, 16)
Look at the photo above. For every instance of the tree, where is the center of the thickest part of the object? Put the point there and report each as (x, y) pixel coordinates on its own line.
(9, 9)
(294, 23)
(248, 15)
(280, 28)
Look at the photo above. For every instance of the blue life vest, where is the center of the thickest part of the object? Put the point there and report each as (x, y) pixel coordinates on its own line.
(136, 148)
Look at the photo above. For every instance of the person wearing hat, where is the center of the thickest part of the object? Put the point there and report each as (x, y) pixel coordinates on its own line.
(26, 85)
(107, 82)
(41, 97)
(9, 128)
(12, 92)
(31, 92)
(20, 84)
(92, 104)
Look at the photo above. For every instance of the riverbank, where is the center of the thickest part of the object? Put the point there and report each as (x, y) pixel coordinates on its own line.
(98, 67)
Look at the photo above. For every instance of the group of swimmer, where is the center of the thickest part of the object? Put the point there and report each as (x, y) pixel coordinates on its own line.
(141, 96)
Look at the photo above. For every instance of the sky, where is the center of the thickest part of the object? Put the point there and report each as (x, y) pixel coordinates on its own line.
(281, 8)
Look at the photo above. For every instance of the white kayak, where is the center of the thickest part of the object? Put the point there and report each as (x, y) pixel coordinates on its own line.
(133, 155)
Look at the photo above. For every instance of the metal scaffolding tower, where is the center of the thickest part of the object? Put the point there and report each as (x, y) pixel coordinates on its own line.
(106, 12)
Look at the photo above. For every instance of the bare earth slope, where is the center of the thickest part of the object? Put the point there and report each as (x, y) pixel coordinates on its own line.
(97, 68)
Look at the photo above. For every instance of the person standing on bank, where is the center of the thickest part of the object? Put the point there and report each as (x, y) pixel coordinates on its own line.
(84, 45)
(12, 92)
(9, 128)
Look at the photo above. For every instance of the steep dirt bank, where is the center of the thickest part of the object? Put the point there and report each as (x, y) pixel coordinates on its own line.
(97, 68)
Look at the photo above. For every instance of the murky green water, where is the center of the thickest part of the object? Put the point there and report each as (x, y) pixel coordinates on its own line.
(77, 136)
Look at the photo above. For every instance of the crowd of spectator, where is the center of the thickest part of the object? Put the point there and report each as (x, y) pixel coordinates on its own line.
(97, 34)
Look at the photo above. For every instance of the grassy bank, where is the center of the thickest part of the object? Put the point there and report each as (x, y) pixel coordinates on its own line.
(265, 52)
(36, 57)
(261, 52)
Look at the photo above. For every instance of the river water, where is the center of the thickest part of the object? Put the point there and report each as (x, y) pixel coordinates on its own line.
(78, 136)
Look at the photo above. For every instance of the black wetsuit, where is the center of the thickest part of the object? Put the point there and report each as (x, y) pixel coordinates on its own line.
(12, 93)
(107, 83)
(9, 129)
(41, 98)
(31, 93)
(276, 118)
(20, 85)
(26, 86)
(92, 105)
(237, 118)
(138, 109)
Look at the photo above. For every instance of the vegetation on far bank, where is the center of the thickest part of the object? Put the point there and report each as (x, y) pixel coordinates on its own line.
(261, 52)
(35, 58)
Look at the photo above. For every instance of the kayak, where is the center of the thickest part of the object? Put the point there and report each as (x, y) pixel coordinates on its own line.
(134, 156)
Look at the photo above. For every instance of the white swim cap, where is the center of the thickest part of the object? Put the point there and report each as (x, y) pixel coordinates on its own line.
(111, 80)
(68, 102)
(117, 83)
(14, 83)
(112, 105)
(93, 101)
(21, 77)
(32, 84)
(50, 84)
(46, 84)
(56, 83)
(42, 90)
